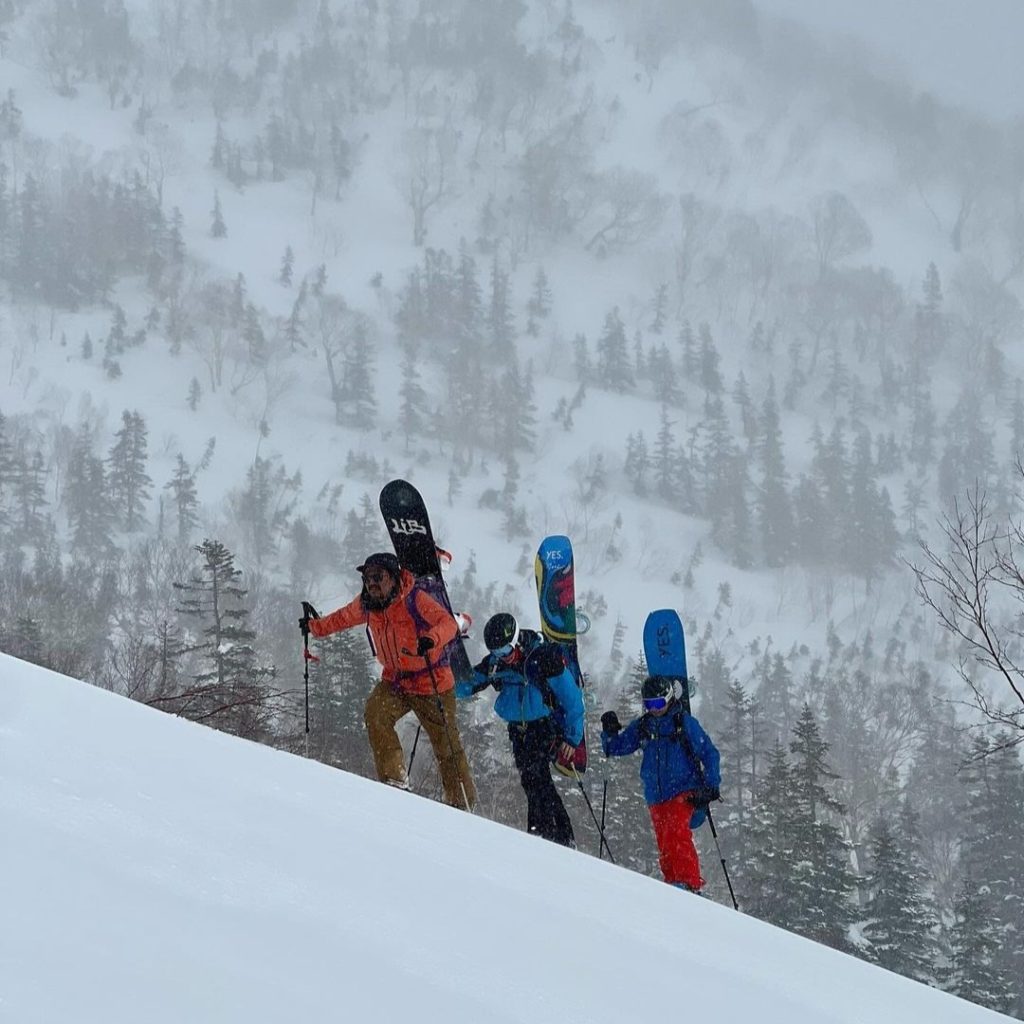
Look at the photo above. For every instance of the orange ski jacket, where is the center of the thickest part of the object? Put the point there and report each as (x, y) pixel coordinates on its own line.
(393, 633)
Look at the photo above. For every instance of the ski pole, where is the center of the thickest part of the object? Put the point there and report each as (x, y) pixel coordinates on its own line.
(698, 765)
(725, 870)
(447, 731)
(412, 756)
(308, 612)
(604, 804)
(590, 807)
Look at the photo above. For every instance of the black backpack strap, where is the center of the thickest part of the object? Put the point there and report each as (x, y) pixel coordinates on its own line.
(684, 740)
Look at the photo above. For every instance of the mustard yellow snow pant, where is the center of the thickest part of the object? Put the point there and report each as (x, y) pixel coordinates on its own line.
(385, 706)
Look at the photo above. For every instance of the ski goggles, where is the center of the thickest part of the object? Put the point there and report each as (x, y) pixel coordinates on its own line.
(656, 703)
(504, 651)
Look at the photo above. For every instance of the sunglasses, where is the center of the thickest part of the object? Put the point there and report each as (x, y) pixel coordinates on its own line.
(656, 703)
(375, 575)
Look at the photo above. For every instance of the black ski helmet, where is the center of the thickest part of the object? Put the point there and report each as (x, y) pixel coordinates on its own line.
(657, 686)
(500, 631)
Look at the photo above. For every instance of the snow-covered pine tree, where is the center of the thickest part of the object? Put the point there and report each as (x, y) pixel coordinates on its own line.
(229, 685)
(821, 862)
(901, 920)
(127, 478)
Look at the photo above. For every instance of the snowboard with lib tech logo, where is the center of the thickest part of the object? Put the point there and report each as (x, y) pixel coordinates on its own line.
(556, 595)
(408, 525)
(665, 649)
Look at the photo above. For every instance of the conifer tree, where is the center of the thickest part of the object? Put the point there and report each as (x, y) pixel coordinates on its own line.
(688, 344)
(748, 418)
(812, 523)
(774, 512)
(975, 970)
(1017, 424)
(871, 535)
(775, 698)
(287, 270)
(901, 922)
(663, 462)
(657, 324)
(413, 414)
(337, 733)
(708, 360)
(664, 377)
(637, 463)
(820, 855)
(469, 303)
(186, 500)
(6, 473)
(218, 229)
(735, 742)
(89, 509)
(264, 507)
(28, 474)
(363, 531)
(516, 411)
(357, 374)
(929, 336)
(769, 889)
(614, 369)
(830, 472)
(539, 304)
(992, 854)
(500, 322)
(229, 690)
(581, 360)
(441, 297)
(26, 641)
(128, 480)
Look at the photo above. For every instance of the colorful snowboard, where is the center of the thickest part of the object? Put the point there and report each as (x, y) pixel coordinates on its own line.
(665, 649)
(556, 595)
(405, 516)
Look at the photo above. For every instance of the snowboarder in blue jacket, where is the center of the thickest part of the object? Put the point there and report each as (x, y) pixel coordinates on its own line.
(539, 699)
(679, 771)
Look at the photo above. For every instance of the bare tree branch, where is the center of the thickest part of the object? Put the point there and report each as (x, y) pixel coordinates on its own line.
(972, 589)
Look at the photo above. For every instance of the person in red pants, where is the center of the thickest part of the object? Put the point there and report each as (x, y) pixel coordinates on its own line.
(679, 771)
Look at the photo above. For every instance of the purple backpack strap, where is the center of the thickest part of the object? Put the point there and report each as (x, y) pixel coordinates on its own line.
(422, 626)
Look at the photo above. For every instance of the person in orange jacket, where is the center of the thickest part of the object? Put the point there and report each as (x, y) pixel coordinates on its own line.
(408, 632)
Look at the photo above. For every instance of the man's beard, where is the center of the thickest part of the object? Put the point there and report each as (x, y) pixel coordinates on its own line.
(377, 604)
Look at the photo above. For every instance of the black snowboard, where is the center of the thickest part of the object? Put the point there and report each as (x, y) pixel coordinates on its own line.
(405, 516)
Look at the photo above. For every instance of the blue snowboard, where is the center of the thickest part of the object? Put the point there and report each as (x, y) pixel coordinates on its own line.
(665, 649)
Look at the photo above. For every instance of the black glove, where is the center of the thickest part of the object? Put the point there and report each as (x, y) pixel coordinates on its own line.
(704, 795)
(610, 723)
(424, 644)
(308, 612)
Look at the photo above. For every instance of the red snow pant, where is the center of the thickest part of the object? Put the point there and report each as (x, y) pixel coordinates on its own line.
(677, 854)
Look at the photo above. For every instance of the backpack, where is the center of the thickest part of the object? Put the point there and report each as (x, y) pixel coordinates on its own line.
(543, 663)
(422, 626)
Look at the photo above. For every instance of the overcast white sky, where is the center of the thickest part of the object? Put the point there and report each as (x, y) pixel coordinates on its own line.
(964, 51)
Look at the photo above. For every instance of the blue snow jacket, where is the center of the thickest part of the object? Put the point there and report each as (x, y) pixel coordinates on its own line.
(667, 769)
(521, 699)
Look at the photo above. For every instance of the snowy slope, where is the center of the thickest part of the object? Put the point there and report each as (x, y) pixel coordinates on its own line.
(154, 871)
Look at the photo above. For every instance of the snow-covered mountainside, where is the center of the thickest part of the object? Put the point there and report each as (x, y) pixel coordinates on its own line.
(156, 871)
(721, 300)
